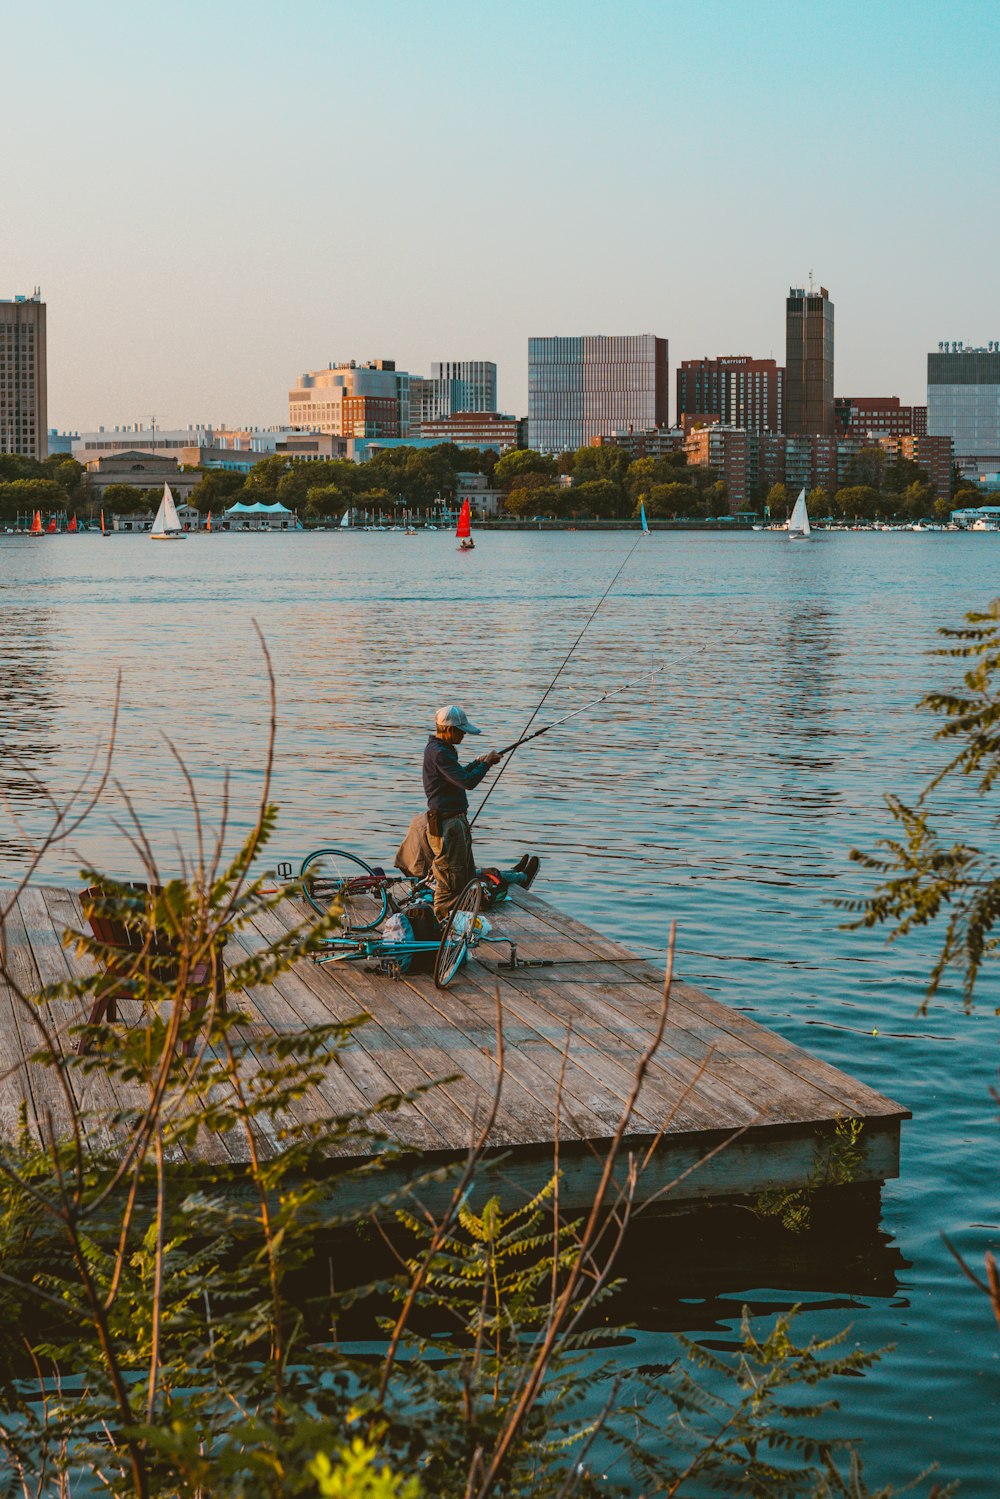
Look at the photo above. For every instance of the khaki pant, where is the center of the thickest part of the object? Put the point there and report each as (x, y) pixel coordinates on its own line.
(447, 858)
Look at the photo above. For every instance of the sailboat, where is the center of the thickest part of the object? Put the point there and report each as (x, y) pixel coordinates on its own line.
(36, 524)
(208, 523)
(51, 528)
(166, 526)
(642, 517)
(345, 521)
(799, 528)
(464, 528)
(104, 530)
(72, 525)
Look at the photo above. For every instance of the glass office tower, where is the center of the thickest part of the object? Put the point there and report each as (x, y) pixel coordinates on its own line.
(963, 398)
(581, 388)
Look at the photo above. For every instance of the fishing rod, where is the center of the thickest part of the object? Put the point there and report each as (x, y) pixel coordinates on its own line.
(561, 667)
(612, 692)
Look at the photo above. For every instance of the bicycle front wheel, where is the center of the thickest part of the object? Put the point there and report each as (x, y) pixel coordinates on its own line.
(331, 876)
(458, 934)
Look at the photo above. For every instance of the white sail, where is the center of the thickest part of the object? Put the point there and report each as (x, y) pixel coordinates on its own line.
(167, 523)
(346, 520)
(798, 524)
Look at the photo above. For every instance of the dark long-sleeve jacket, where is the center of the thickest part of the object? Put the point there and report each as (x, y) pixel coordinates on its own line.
(445, 780)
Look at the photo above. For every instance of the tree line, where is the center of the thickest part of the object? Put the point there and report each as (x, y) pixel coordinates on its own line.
(601, 483)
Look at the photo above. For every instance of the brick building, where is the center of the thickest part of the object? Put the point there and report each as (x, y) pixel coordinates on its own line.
(485, 428)
(734, 390)
(878, 416)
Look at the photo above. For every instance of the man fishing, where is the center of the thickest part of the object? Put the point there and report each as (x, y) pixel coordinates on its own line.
(440, 843)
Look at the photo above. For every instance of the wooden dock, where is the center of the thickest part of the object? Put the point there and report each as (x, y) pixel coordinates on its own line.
(716, 1074)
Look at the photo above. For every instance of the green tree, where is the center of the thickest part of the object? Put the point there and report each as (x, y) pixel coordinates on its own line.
(867, 469)
(593, 463)
(217, 489)
(669, 501)
(126, 499)
(778, 502)
(857, 502)
(512, 465)
(19, 496)
(325, 501)
(542, 499)
(599, 497)
(818, 503)
(265, 476)
(15, 466)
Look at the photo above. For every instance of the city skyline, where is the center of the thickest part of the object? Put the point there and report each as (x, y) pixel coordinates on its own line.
(196, 252)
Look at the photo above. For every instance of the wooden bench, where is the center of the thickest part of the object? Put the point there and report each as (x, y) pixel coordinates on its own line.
(130, 939)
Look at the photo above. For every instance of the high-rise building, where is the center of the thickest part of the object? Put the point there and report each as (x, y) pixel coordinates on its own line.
(878, 416)
(587, 387)
(23, 377)
(809, 406)
(735, 390)
(963, 401)
(454, 386)
(353, 400)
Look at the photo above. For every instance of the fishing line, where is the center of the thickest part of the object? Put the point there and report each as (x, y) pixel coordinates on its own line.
(576, 642)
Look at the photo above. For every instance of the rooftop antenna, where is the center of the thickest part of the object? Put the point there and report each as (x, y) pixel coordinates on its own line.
(810, 281)
(152, 429)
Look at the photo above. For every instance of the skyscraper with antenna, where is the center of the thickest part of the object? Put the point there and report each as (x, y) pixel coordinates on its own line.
(809, 406)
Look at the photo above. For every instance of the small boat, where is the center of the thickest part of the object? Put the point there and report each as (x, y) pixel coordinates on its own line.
(36, 524)
(166, 526)
(642, 517)
(464, 528)
(799, 528)
(208, 523)
(51, 528)
(73, 525)
(104, 530)
(345, 521)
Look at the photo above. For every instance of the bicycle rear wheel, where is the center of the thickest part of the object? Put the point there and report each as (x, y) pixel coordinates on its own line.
(330, 875)
(457, 934)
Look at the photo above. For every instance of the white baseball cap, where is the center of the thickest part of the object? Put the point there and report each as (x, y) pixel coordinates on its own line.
(454, 717)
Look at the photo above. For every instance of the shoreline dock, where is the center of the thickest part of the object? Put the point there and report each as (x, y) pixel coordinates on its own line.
(573, 1033)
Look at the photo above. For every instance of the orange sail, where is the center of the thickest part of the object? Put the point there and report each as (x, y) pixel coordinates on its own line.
(50, 528)
(72, 525)
(208, 523)
(36, 524)
(464, 527)
(102, 524)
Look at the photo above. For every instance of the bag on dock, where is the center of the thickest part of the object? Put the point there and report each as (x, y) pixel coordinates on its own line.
(414, 923)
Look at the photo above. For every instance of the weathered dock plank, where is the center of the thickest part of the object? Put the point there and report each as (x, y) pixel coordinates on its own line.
(573, 1035)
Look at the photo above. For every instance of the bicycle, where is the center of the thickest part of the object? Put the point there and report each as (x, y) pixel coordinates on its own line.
(366, 892)
(464, 930)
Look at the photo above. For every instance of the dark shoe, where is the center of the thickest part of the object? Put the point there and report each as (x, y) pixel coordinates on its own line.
(522, 861)
(530, 869)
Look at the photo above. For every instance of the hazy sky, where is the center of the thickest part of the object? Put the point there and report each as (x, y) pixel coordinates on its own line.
(216, 196)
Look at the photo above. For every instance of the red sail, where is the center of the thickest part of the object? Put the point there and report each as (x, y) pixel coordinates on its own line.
(72, 525)
(51, 526)
(36, 524)
(464, 527)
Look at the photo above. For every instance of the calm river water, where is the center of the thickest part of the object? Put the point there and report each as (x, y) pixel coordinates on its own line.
(727, 794)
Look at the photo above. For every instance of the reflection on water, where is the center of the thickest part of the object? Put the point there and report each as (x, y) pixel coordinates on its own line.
(28, 699)
(726, 793)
